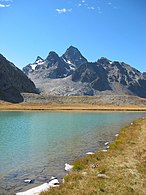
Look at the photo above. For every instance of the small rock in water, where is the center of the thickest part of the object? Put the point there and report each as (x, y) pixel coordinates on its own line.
(106, 143)
(28, 180)
(90, 153)
(103, 176)
(53, 182)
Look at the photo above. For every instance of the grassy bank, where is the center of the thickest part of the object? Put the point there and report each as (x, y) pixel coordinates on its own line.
(123, 167)
(68, 107)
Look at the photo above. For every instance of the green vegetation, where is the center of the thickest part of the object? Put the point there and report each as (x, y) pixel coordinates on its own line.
(123, 167)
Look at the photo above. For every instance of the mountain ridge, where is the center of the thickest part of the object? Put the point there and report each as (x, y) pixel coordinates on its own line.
(72, 74)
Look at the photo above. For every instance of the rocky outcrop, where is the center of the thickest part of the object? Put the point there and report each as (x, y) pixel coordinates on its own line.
(127, 77)
(54, 66)
(94, 74)
(74, 56)
(13, 81)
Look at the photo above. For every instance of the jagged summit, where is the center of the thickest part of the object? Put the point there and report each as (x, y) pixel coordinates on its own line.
(54, 66)
(72, 74)
(104, 60)
(74, 56)
(51, 55)
(38, 60)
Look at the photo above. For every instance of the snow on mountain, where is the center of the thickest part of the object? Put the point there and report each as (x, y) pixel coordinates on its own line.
(72, 74)
(33, 66)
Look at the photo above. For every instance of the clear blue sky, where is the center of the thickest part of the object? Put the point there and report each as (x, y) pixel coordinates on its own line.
(115, 29)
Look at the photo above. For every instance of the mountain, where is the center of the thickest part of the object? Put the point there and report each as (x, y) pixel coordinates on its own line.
(54, 66)
(13, 82)
(72, 74)
(74, 56)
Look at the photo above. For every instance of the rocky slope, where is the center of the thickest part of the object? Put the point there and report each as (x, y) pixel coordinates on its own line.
(72, 74)
(13, 82)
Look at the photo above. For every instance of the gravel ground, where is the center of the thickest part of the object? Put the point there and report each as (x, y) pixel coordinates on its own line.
(99, 99)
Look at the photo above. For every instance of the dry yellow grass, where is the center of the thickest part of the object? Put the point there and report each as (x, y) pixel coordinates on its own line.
(124, 163)
(68, 107)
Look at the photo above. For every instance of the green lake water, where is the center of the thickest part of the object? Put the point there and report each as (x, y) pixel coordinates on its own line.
(36, 145)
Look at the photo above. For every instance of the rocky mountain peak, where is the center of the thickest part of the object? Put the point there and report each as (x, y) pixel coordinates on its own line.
(52, 58)
(52, 55)
(72, 49)
(74, 56)
(39, 60)
(103, 61)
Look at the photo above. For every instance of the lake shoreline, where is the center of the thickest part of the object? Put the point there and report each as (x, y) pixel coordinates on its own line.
(95, 173)
(68, 107)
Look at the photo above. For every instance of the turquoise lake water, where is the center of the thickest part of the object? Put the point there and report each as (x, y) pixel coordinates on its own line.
(36, 145)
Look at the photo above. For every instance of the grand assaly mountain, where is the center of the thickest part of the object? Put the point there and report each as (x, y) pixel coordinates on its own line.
(72, 74)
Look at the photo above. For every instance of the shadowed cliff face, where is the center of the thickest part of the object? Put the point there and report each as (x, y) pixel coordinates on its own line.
(13, 82)
(77, 76)
(94, 74)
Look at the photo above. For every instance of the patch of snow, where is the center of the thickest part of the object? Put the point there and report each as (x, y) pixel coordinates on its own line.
(64, 60)
(33, 66)
(68, 167)
(36, 190)
(39, 61)
(110, 62)
(72, 67)
(42, 188)
(53, 182)
(69, 62)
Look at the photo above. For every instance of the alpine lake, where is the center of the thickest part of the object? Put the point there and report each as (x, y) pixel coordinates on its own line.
(36, 145)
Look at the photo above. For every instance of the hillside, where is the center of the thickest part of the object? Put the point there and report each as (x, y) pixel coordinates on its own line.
(13, 82)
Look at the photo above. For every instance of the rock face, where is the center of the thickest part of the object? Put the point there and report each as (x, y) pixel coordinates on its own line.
(13, 82)
(54, 66)
(72, 74)
(73, 56)
(94, 74)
